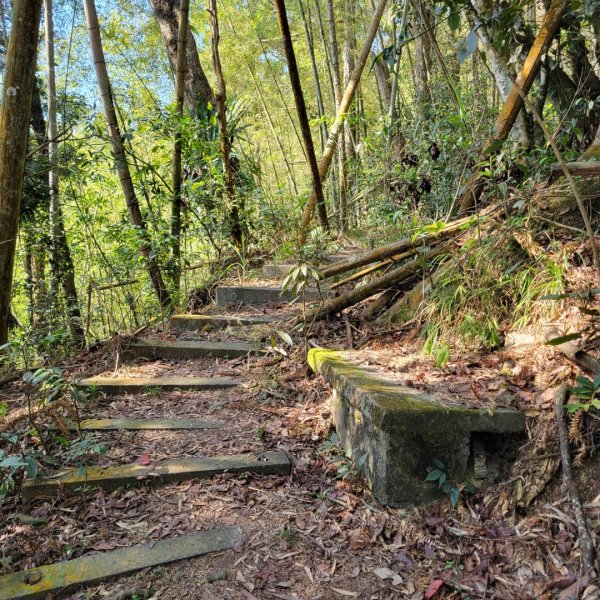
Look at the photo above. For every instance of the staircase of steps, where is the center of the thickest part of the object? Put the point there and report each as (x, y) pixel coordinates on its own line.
(86, 571)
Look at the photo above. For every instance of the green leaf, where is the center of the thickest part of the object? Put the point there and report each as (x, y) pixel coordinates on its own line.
(454, 496)
(31, 467)
(563, 339)
(434, 475)
(12, 462)
(454, 21)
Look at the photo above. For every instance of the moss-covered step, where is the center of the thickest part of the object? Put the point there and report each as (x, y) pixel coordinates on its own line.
(261, 295)
(110, 478)
(397, 433)
(145, 424)
(127, 385)
(180, 323)
(188, 350)
(65, 577)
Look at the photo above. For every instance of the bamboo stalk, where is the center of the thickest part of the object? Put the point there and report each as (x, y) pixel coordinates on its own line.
(382, 284)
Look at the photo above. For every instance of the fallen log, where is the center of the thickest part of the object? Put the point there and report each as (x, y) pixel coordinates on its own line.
(378, 305)
(408, 304)
(580, 168)
(390, 261)
(382, 284)
(575, 354)
(396, 248)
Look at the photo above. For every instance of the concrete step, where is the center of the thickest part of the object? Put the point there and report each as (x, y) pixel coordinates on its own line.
(189, 350)
(111, 478)
(65, 577)
(277, 270)
(127, 385)
(399, 433)
(261, 295)
(181, 323)
(144, 424)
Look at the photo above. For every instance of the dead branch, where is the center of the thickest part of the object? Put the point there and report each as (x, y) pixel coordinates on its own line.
(401, 246)
(382, 284)
(586, 544)
(580, 168)
(575, 354)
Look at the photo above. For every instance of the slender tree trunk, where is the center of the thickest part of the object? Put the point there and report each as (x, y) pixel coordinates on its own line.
(120, 157)
(348, 65)
(337, 91)
(301, 109)
(342, 111)
(15, 114)
(61, 262)
(400, 34)
(180, 74)
(422, 61)
(198, 92)
(497, 65)
(514, 103)
(315, 71)
(237, 233)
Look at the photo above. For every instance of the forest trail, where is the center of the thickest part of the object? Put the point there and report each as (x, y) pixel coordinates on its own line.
(172, 412)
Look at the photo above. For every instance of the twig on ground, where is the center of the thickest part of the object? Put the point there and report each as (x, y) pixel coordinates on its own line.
(586, 544)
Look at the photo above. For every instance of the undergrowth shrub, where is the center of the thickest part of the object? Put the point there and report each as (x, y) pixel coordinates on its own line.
(494, 283)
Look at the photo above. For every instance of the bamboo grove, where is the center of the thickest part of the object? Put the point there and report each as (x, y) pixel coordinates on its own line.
(149, 147)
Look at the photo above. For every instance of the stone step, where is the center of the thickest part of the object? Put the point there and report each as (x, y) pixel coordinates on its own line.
(189, 350)
(165, 471)
(181, 323)
(398, 433)
(126, 385)
(145, 424)
(261, 295)
(65, 577)
(277, 270)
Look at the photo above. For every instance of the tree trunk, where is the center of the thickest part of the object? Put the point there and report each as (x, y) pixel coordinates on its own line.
(120, 157)
(337, 93)
(382, 75)
(497, 65)
(301, 109)
(422, 62)
(237, 233)
(15, 114)
(180, 75)
(315, 71)
(514, 103)
(61, 262)
(197, 88)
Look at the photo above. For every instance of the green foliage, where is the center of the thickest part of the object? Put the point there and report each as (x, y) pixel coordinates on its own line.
(347, 464)
(494, 283)
(587, 392)
(438, 474)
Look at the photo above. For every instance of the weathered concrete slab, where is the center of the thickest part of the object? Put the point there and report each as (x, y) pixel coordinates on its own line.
(165, 471)
(188, 350)
(261, 295)
(402, 431)
(145, 425)
(126, 385)
(64, 577)
(181, 323)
